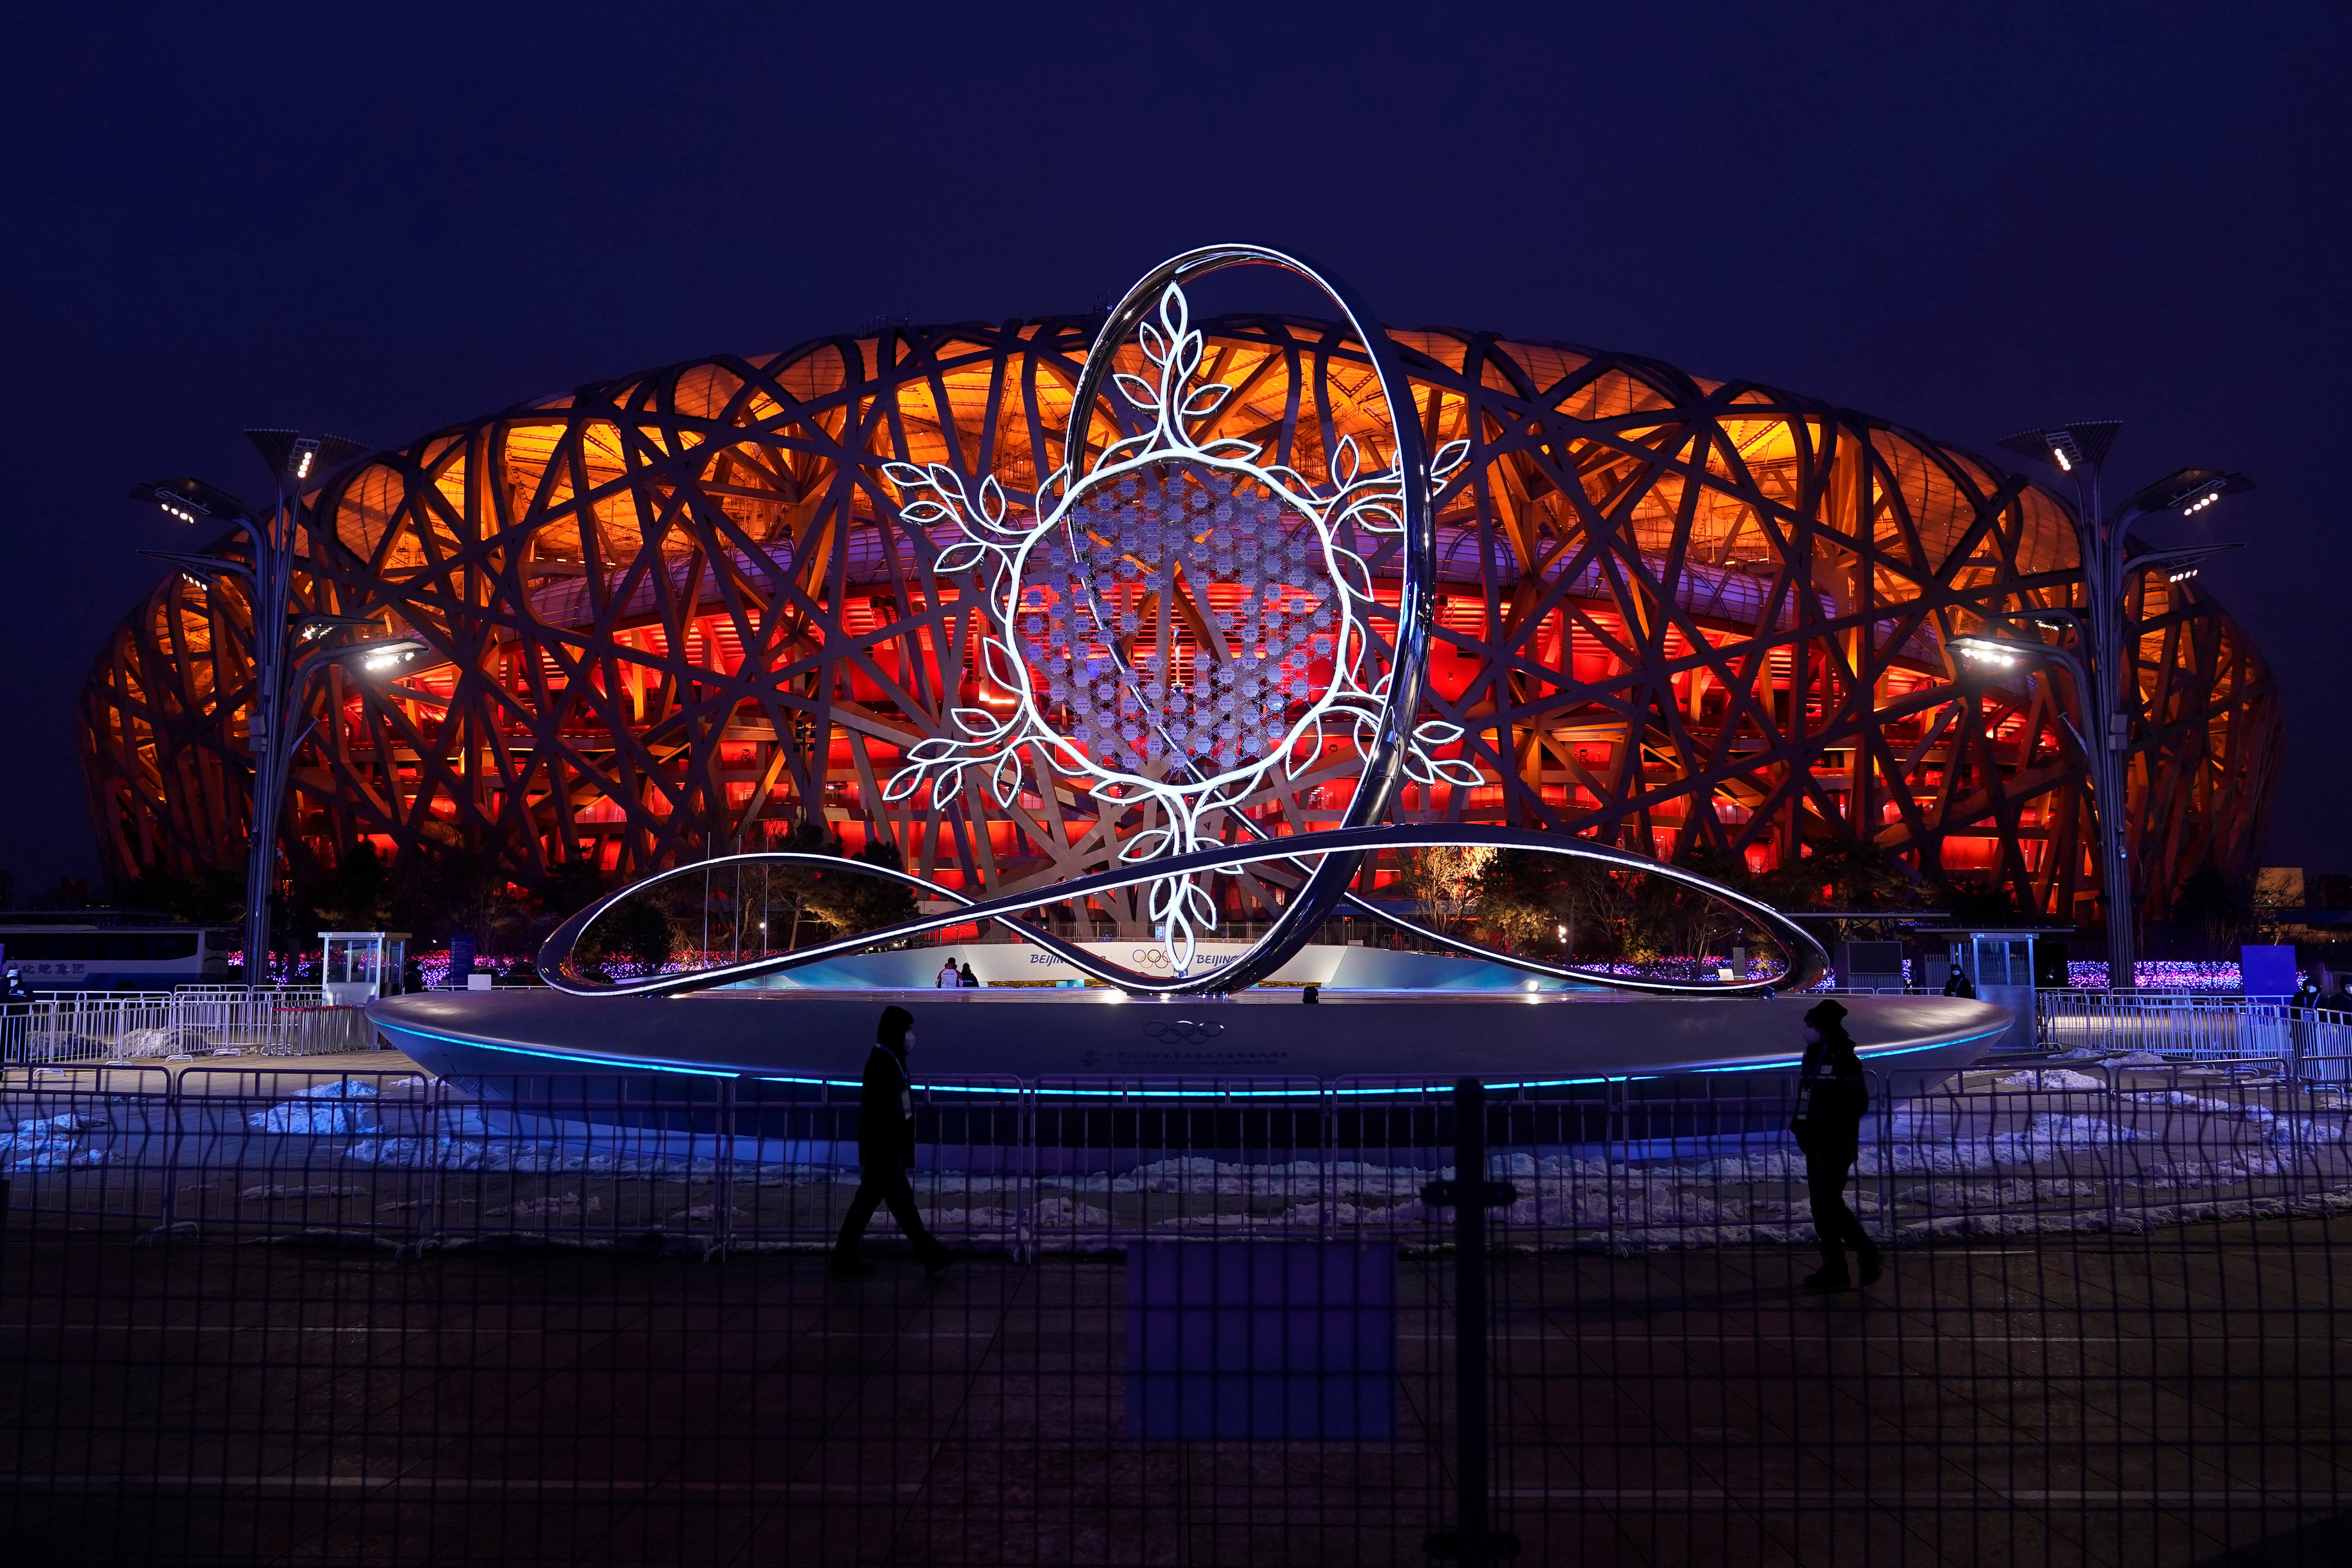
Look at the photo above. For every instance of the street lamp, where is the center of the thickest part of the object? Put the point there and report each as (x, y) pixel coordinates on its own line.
(287, 649)
(2002, 655)
(2110, 690)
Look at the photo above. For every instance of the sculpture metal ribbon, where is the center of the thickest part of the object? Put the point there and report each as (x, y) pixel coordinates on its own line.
(1806, 961)
(1280, 667)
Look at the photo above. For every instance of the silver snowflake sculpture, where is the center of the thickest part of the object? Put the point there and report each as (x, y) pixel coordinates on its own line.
(1175, 624)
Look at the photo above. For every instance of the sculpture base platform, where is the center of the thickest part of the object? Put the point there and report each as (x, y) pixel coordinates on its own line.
(1067, 1080)
(821, 1036)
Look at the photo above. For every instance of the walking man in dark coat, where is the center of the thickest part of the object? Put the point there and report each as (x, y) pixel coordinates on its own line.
(1832, 1098)
(885, 1151)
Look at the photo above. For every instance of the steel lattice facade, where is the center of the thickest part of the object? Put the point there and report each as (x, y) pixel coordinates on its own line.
(676, 612)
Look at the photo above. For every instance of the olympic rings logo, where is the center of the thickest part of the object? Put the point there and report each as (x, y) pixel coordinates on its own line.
(1157, 958)
(1183, 1032)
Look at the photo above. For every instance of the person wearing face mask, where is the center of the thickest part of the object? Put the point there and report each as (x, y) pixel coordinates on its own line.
(1832, 1098)
(885, 1151)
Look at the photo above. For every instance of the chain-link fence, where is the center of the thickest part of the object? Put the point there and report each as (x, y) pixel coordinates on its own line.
(255, 1314)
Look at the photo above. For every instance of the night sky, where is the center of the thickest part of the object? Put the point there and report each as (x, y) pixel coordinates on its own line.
(377, 220)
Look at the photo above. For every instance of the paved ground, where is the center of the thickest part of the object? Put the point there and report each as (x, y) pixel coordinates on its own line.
(2149, 1400)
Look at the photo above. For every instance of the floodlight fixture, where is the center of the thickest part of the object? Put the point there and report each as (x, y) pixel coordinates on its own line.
(203, 568)
(311, 626)
(372, 658)
(192, 501)
(2189, 491)
(2071, 447)
(1990, 651)
(2178, 565)
(379, 658)
(293, 455)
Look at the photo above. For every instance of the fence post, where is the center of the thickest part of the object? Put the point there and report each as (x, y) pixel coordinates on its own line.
(168, 1211)
(1884, 1105)
(2114, 1150)
(1471, 1195)
(722, 1176)
(428, 1166)
(1025, 1192)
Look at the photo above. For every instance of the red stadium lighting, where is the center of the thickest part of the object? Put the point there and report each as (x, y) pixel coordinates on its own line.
(716, 626)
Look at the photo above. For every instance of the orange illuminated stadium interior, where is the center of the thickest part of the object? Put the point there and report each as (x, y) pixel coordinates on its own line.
(674, 613)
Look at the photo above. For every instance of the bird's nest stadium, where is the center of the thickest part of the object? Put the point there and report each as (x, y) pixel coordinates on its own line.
(671, 615)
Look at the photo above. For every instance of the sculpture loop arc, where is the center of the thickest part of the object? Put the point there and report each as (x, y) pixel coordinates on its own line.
(1807, 961)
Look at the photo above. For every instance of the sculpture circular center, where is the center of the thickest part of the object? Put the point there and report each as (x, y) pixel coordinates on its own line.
(1181, 621)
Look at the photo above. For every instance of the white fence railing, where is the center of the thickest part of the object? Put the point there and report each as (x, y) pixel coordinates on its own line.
(2192, 1027)
(194, 1021)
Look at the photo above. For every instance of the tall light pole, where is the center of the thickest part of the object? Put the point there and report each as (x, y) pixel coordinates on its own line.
(2108, 670)
(287, 649)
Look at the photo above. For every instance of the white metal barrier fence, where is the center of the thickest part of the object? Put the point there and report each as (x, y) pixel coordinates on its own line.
(2192, 1026)
(194, 1021)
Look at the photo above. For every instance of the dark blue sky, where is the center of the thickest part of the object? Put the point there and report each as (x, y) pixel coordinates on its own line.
(378, 220)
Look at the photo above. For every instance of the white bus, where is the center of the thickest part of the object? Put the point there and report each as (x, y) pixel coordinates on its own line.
(64, 957)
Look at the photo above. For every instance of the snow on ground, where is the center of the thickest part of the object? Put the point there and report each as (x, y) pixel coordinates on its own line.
(304, 1113)
(2053, 1077)
(2041, 1149)
(50, 1143)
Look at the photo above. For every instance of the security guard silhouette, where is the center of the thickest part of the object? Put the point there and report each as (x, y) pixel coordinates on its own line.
(1832, 1098)
(885, 1151)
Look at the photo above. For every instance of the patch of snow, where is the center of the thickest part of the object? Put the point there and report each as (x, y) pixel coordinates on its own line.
(47, 1143)
(556, 1206)
(304, 1114)
(2053, 1077)
(2184, 1101)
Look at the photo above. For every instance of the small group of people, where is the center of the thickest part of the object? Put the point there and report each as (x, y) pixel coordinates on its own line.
(2309, 997)
(954, 977)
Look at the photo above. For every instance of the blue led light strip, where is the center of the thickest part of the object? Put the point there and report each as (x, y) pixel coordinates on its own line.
(1206, 1094)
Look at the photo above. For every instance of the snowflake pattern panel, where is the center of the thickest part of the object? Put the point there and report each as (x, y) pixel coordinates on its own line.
(1132, 678)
